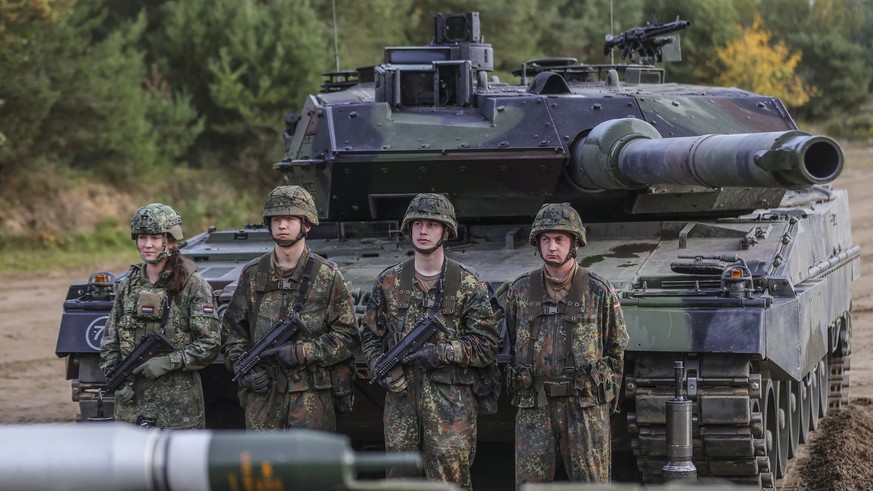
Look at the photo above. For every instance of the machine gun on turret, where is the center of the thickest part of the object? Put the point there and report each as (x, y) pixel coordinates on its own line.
(646, 41)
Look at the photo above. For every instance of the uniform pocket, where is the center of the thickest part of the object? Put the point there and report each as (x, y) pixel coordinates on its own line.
(588, 390)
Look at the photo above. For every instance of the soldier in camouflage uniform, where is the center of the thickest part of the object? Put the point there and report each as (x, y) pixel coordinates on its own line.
(164, 293)
(430, 405)
(297, 384)
(568, 337)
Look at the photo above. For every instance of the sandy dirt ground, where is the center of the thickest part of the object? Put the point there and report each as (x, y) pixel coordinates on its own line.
(35, 388)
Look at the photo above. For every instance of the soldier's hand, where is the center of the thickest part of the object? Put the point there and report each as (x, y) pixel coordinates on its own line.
(395, 381)
(430, 356)
(291, 354)
(257, 380)
(154, 367)
(124, 394)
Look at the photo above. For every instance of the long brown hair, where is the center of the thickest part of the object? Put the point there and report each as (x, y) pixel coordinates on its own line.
(178, 274)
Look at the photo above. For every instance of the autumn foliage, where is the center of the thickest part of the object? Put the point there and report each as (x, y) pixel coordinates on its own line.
(753, 62)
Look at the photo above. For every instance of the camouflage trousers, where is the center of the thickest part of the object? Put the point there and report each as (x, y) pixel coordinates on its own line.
(561, 429)
(174, 400)
(439, 420)
(272, 410)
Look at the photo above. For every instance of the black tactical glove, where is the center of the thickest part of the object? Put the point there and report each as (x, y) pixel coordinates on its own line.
(431, 356)
(395, 381)
(291, 354)
(257, 380)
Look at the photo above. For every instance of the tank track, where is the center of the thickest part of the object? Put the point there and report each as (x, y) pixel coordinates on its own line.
(746, 424)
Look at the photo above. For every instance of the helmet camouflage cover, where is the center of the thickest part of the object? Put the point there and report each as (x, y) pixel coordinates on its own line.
(557, 217)
(156, 218)
(431, 206)
(290, 201)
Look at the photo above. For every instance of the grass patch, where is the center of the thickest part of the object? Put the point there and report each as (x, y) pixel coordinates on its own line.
(84, 252)
(87, 226)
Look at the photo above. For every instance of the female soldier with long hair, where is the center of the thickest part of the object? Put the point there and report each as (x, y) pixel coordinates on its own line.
(163, 294)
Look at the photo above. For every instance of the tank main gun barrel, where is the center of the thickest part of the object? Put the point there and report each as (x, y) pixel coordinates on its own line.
(630, 154)
(113, 456)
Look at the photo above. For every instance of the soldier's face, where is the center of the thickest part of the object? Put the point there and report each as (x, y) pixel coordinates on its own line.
(554, 246)
(286, 227)
(150, 245)
(427, 233)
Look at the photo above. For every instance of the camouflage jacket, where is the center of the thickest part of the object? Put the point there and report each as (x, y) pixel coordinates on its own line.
(468, 317)
(260, 300)
(579, 341)
(175, 399)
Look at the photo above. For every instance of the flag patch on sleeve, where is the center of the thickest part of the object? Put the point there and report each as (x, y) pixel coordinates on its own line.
(615, 301)
(208, 309)
(148, 309)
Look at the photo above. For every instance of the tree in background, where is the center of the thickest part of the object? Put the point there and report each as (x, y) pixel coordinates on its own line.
(579, 29)
(75, 96)
(751, 62)
(829, 34)
(713, 24)
(120, 86)
(363, 29)
(245, 62)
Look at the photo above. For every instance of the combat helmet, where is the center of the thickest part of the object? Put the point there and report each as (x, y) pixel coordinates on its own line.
(156, 218)
(290, 201)
(430, 206)
(557, 217)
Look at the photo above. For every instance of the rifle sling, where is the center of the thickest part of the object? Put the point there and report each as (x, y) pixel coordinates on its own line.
(165, 315)
(263, 283)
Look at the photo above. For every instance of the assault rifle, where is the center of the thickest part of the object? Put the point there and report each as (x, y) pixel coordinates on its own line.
(148, 347)
(412, 342)
(282, 331)
(645, 41)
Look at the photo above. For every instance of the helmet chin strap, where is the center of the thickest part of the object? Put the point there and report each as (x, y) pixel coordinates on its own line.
(427, 252)
(571, 254)
(432, 249)
(164, 254)
(289, 242)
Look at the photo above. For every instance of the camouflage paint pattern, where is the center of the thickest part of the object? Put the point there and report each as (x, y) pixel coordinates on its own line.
(579, 436)
(300, 397)
(437, 415)
(174, 400)
(156, 218)
(290, 201)
(582, 349)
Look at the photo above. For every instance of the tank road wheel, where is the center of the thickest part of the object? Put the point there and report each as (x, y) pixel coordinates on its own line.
(823, 389)
(814, 397)
(793, 413)
(783, 434)
(771, 435)
(804, 404)
(761, 444)
(839, 364)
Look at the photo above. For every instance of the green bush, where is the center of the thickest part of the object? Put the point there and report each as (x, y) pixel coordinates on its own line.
(857, 127)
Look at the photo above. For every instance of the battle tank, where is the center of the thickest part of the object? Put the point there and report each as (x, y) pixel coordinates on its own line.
(705, 206)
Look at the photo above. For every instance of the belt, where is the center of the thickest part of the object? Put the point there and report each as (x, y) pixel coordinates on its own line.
(558, 389)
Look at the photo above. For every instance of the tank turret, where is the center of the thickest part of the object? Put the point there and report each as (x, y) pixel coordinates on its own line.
(432, 115)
